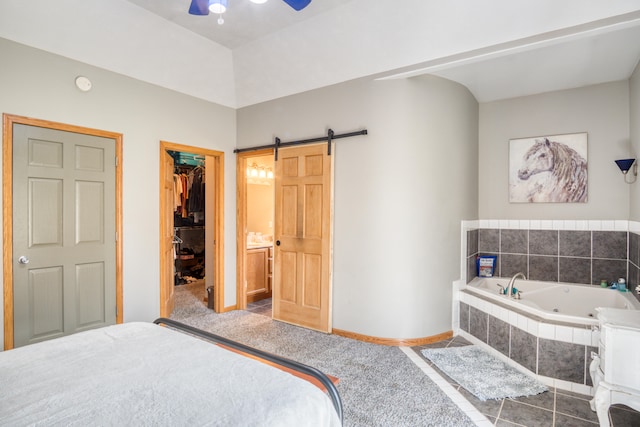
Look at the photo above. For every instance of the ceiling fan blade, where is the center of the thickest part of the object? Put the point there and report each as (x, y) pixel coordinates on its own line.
(298, 4)
(199, 7)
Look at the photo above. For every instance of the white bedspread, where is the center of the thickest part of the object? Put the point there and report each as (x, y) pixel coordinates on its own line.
(144, 374)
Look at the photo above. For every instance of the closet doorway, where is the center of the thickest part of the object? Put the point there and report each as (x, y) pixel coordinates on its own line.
(191, 222)
(256, 208)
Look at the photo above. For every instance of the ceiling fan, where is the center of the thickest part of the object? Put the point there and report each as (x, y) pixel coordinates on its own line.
(202, 7)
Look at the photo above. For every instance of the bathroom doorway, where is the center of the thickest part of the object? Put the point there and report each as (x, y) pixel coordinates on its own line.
(302, 227)
(256, 200)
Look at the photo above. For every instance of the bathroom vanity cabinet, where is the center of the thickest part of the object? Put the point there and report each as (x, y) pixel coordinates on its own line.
(259, 273)
(615, 370)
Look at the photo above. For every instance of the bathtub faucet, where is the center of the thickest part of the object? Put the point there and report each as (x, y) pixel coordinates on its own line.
(509, 289)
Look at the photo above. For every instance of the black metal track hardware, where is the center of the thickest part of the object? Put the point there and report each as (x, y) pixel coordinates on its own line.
(279, 144)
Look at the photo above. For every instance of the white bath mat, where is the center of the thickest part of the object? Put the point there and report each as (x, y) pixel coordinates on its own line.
(483, 375)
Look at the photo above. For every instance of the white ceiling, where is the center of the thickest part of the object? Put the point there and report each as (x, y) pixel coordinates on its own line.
(244, 21)
(574, 57)
(498, 49)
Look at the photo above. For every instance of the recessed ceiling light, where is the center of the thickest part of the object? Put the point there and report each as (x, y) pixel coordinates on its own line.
(258, 1)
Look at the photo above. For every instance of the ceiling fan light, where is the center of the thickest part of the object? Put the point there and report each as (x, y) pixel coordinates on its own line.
(218, 6)
(199, 7)
(298, 4)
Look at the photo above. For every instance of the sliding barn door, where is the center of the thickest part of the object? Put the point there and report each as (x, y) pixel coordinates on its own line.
(303, 213)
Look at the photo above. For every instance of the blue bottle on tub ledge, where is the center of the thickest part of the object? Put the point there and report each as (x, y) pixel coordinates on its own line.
(620, 285)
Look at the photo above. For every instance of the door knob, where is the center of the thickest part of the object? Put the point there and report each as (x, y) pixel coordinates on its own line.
(23, 260)
(277, 242)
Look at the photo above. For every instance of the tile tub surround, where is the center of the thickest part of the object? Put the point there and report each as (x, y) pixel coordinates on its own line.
(555, 407)
(634, 261)
(557, 255)
(558, 353)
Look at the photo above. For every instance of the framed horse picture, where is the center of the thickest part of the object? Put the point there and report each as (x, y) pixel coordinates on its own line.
(548, 169)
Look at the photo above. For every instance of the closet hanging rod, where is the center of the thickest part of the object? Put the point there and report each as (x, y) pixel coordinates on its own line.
(279, 144)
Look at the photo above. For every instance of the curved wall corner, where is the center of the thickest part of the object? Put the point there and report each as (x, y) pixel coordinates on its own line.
(424, 161)
(400, 194)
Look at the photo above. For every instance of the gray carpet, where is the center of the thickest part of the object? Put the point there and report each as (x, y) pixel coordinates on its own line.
(483, 375)
(379, 385)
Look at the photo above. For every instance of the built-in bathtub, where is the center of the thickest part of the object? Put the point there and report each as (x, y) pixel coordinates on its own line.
(550, 331)
(555, 301)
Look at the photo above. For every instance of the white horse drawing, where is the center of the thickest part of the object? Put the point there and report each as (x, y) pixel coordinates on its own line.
(563, 173)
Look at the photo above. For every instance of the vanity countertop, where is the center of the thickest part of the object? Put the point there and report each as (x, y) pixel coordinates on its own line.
(260, 245)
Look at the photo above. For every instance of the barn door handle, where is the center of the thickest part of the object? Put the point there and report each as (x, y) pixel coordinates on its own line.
(23, 260)
(277, 242)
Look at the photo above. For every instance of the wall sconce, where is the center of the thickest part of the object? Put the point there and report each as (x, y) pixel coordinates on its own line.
(628, 164)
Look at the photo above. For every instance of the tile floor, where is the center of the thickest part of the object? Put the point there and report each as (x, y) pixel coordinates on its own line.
(262, 307)
(554, 408)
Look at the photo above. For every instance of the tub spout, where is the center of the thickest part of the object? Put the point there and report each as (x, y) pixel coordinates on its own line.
(509, 289)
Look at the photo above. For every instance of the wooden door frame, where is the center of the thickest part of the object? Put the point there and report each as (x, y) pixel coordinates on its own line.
(218, 224)
(7, 209)
(241, 223)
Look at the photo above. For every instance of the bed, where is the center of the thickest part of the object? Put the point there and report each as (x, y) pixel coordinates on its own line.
(160, 373)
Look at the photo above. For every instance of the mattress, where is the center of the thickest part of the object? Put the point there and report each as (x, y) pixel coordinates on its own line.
(144, 374)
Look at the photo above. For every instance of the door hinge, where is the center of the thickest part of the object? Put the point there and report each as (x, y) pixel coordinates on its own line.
(116, 236)
(116, 161)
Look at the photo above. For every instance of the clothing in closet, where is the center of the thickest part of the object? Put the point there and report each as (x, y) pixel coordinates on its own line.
(189, 204)
(188, 186)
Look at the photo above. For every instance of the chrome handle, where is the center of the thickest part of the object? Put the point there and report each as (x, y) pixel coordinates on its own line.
(23, 260)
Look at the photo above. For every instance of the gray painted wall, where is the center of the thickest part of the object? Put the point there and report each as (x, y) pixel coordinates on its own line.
(634, 105)
(602, 111)
(37, 84)
(400, 194)
(395, 218)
